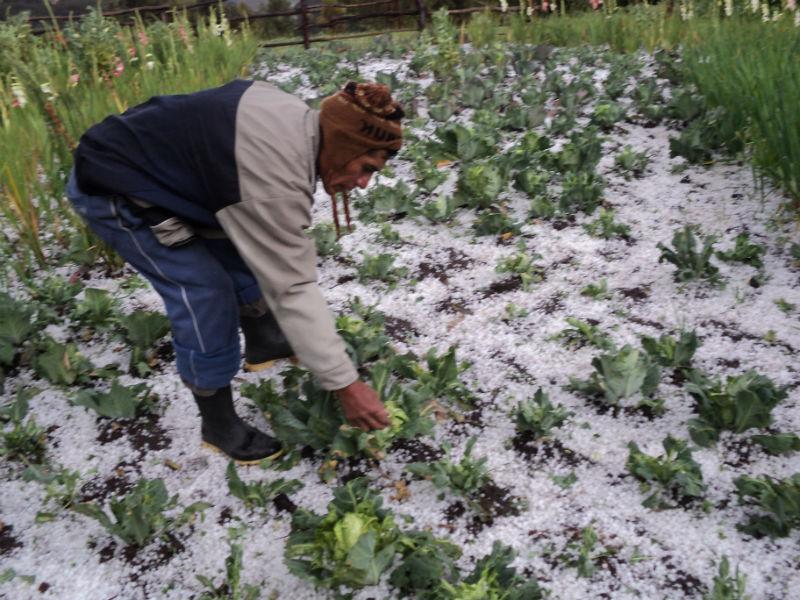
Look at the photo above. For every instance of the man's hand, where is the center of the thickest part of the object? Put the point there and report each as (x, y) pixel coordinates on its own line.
(361, 406)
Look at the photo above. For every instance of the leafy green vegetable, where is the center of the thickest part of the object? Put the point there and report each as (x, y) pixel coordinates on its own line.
(325, 239)
(364, 333)
(461, 143)
(778, 443)
(607, 114)
(258, 493)
(598, 291)
(352, 545)
(24, 441)
(620, 375)
(440, 210)
(778, 498)
(669, 352)
(532, 182)
(605, 227)
(495, 222)
(631, 163)
(98, 308)
(231, 588)
(380, 267)
(61, 488)
(742, 402)
(479, 185)
(142, 330)
(120, 402)
(673, 476)
(580, 191)
(691, 263)
(522, 264)
(582, 333)
(537, 416)
(726, 586)
(744, 252)
(61, 364)
(384, 202)
(465, 478)
(139, 516)
(426, 564)
(16, 326)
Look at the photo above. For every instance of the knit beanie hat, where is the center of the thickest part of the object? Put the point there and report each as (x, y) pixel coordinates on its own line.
(358, 118)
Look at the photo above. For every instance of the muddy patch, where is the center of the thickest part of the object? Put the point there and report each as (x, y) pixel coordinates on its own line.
(414, 450)
(637, 294)
(144, 433)
(399, 329)
(116, 485)
(434, 270)
(153, 556)
(552, 304)
(453, 306)
(510, 284)
(8, 543)
(545, 450)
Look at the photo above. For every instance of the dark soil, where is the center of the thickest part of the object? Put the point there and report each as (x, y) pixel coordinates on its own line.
(739, 452)
(730, 363)
(345, 279)
(8, 543)
(732, 333)
(427, 269)
(43, 587)
(646, 322)
(117, 484)
(415, 451)
(545, 450)
(453, 306)
(283, 503)
(636, 294)
(503, 286)
(551, 305)
(225, 515)
(399, 329)
(559, 224)
(151, 557)
(457, 260)
(679, 579)
(454, 511)
(144, 433)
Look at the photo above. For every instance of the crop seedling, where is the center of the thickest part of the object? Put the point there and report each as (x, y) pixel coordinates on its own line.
(97, 309)
(495, 222)
(364, 333)
(691, 263)
(465, 478)
(741, 403)
(619, 375)
(537, 417)
(606, 227)
(785, 306)
(581, 153)
(142, 330)
(727, 586)
(352, 545)
(231, 588)
(582, 333)
(522, 265)
(673, 477)
(140, 516)
(23, 441)
(479, 185)
(744, 252)
(384, 202)
(777, 499)
(119, 402)
(697, 142)
(428, 175)
(493, 578)
(582, 553)
(16, 326)
(389, 235)
(380, 267)
(686, 104)
(440, 210)
(607, 114)
(669, 352)
(425, 567)
(580, 191)
(598, 291)
(461, 143)
(258, 494)
(532, 182)
(325, 239)
(631, 163)
(778, 443)
(61, 364)
(61, 488)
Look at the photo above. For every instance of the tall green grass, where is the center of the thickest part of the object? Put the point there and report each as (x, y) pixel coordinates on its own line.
(57, 85)
(753, 71)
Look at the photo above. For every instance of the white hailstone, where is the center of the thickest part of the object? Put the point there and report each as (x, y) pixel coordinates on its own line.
(728, 8)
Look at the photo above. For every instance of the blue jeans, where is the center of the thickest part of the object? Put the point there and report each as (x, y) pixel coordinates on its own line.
(202, 284)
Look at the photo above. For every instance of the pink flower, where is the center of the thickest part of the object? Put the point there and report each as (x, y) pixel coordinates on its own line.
(143, 40)
(118, 68)
(545, 6)
(182, 33)
(74, 79)
(595, 4)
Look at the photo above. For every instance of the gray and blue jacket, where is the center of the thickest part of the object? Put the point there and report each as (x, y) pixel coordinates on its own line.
(240, 159)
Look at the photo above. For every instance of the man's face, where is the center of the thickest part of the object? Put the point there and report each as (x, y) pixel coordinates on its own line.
(356, 173)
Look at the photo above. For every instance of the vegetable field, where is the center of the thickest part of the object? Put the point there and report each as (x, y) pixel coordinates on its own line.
(579, 301)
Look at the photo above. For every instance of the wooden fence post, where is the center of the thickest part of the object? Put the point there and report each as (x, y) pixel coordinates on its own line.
(421, 20)
(304, 24)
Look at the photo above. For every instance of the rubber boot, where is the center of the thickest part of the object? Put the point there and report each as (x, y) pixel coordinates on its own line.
(223, 430)
(264, 342)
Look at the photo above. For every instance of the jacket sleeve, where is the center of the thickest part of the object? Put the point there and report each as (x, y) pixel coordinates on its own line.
(269, 235)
